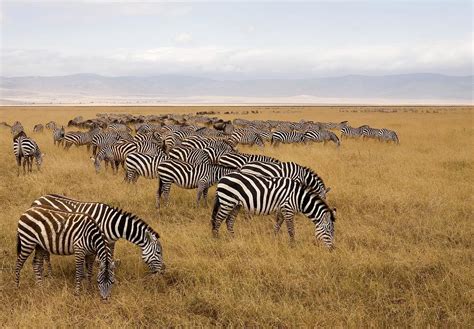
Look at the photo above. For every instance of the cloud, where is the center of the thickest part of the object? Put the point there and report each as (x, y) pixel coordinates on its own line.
(228, 62)
(183, 38)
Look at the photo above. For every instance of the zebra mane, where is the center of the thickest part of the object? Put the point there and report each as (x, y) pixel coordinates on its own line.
(134, 217)
(311, 171)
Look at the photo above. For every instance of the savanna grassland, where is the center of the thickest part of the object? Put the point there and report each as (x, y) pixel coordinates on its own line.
(404, 233)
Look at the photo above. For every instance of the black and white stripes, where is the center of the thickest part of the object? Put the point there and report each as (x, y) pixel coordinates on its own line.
(261, 195)
(45, 231)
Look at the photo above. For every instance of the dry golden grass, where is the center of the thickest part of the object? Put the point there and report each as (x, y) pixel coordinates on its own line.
(404, 234)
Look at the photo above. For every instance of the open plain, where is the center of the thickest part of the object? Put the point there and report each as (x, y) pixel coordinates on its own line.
(404, 232)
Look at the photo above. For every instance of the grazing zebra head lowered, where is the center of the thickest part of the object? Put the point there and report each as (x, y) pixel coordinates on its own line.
(263, 196)
(45, 230)
(115, 224)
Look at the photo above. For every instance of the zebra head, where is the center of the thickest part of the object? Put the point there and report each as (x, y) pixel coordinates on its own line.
(39, 159)
(324, 230)
(152, 253)
(106, 277)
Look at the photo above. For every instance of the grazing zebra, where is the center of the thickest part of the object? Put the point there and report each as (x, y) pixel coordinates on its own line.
(58, 135)
(388, 135)
(237, 160)
(188, 176)
(263, 196)
(139, 164)
(303, 175)
(247, 137)
(119, 127)
(287, 137)
(321, 136)
(45, 231)
(38, 128)
(351, 132)
(115, 224)
(189, 155)
(25, 148)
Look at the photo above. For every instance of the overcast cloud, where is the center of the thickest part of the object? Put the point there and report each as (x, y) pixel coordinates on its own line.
(234, 40)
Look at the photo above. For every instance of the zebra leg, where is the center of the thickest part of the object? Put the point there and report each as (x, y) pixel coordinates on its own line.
(38, 264)
(23, 254)
(231, 220)
(47, 260)
(222, 214)
(80, 257)
(89, 259)
(279, 221)
(166, 189)
(200, 191)
(204, 194)
(24, 165)
(158, 193)
(290, 225)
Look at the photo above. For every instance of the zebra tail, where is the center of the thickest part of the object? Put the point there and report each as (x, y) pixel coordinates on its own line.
(18, 244)
(217, 205)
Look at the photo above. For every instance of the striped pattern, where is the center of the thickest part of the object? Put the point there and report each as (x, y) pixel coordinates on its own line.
(321, 136)
(237, 160)
(246, 137)
(189, 177)
(26, 149)
(38, 128)
(189, 155)
(287, 137)
(303, 175)
(115, 224)
(139, 164)
(263, 196)
(62, 233)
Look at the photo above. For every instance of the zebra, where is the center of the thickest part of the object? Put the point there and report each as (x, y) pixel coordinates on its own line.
(321, 136)
(263, 196)
(25, 148)
(38, 128)
(139, 164)
(188, 176)
(287, 137)
(388, 135)
(119, 127)
(351, 132)
(303, 175)
(189, 155)
(46, 231)
(58, 135)
(115, 224)
(79, 138)
(237, 160)
(247, 137)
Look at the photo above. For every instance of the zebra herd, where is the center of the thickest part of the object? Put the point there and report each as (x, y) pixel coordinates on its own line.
(194, 153)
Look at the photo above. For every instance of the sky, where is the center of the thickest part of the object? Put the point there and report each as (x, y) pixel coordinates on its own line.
(236, 40)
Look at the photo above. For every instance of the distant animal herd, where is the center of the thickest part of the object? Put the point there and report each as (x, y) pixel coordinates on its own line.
(190, 151)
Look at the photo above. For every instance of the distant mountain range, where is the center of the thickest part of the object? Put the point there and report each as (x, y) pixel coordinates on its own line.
(169, 88)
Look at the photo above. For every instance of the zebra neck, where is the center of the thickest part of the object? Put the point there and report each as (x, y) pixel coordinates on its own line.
(132, 229)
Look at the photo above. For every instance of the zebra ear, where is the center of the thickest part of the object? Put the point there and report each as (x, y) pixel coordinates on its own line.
(334, 212)
(92, 158)
(327, 190)
(43, 155)
(149, 236)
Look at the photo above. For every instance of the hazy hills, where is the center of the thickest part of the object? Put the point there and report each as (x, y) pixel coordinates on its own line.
(170, 88)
